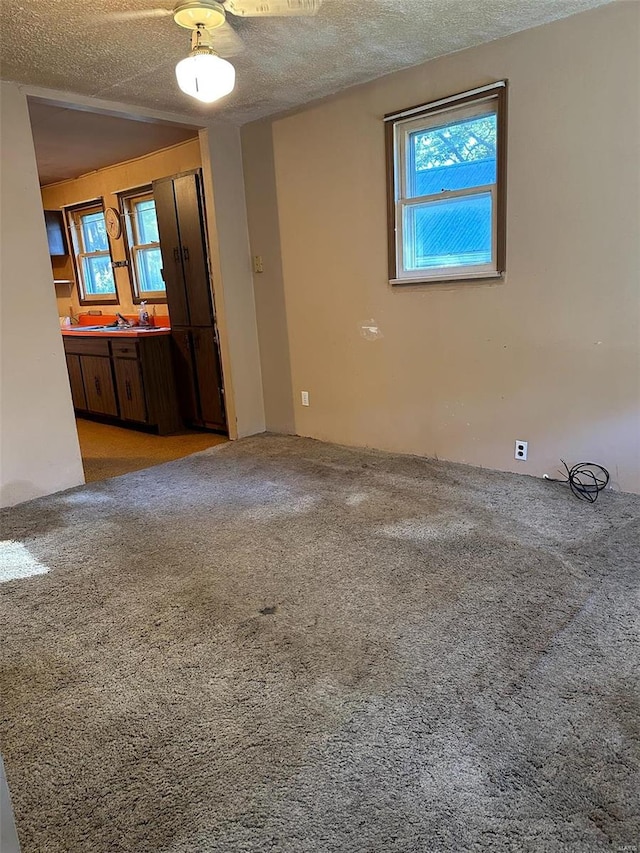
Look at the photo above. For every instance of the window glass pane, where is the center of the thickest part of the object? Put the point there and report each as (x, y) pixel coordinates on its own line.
(149, 265)
(94, 232)
(454, 156)
(97, 275)
(147, 222)
(448, 233)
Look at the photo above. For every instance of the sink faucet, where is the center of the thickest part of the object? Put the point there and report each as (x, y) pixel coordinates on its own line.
(122, 321)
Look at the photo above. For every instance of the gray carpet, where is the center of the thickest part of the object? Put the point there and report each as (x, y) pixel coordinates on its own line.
(282, 645)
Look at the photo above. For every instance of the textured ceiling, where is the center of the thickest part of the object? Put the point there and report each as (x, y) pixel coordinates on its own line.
(75, 46)
(70, 143)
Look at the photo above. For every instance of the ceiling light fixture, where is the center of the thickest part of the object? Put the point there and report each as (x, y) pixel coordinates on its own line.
(203, 74)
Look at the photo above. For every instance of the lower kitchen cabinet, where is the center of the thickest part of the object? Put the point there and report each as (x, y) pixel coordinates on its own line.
(185, 376)
(98, 384)
(130, 390)
(199, 377)
(209, 377)
(74, 369)
(128, 379)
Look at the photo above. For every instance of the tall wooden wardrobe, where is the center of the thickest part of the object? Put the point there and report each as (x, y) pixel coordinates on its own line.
(183, 243)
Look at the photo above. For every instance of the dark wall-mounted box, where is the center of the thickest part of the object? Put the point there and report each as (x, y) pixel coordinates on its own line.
(55, 233)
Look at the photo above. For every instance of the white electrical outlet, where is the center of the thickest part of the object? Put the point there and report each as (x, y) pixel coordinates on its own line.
(304, 396)
(522, 448)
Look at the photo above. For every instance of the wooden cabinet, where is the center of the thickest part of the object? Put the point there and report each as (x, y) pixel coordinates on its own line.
(130, 390)
(130, 384)
(198, 377)
(129, 379)
(75, 380)
(98, 385)
(185, 375)
(171, 250)
(181, 226)
(195, 260)
(208, 377)
(54, 220)
(90, 375)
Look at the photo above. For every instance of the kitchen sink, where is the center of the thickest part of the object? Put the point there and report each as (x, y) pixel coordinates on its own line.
(111, 329)
(81, 328)
(115, 329)
(133, 329)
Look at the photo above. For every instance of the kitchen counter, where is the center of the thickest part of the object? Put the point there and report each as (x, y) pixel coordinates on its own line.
(133, 332)
(129, 381)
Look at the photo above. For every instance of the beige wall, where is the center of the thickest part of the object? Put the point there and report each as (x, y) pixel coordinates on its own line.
(552, 355)
(105, 183)
(39, 446)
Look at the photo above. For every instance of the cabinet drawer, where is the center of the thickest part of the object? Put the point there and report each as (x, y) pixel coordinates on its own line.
(87, 346)
(124, 349)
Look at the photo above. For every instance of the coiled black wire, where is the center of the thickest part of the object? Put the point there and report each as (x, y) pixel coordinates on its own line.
(586, 480)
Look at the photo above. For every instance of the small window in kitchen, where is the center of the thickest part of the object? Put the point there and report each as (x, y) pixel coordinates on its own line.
(92, 254)
(143, 245)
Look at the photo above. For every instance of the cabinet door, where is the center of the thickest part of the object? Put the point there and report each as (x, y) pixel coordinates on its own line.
(184, 374)
(171, 250)
(130, 389)
(75, 380)
(98, 384)
(194, 250)
(54, 220)
(209, 378)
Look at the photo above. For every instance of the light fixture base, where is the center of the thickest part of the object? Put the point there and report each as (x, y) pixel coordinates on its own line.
(199, 13)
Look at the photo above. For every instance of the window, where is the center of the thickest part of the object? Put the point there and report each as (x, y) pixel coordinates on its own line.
(143, 246)
(92, 255)
(446, 188)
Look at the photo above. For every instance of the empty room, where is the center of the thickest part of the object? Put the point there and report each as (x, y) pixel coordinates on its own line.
(320, 426)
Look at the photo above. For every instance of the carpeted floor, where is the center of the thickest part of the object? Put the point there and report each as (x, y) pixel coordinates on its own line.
(110, 451)
(281, 645)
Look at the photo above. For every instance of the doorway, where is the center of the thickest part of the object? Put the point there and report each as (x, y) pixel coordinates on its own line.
(85, 156)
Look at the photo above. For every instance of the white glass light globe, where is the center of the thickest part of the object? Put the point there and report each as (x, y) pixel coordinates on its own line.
(205, 76)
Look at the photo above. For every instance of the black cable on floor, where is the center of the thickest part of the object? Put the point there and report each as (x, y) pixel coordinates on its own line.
(586, 480)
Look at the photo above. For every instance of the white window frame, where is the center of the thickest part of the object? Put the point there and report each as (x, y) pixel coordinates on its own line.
(135, 247)
(401, 126)
(74, 215)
